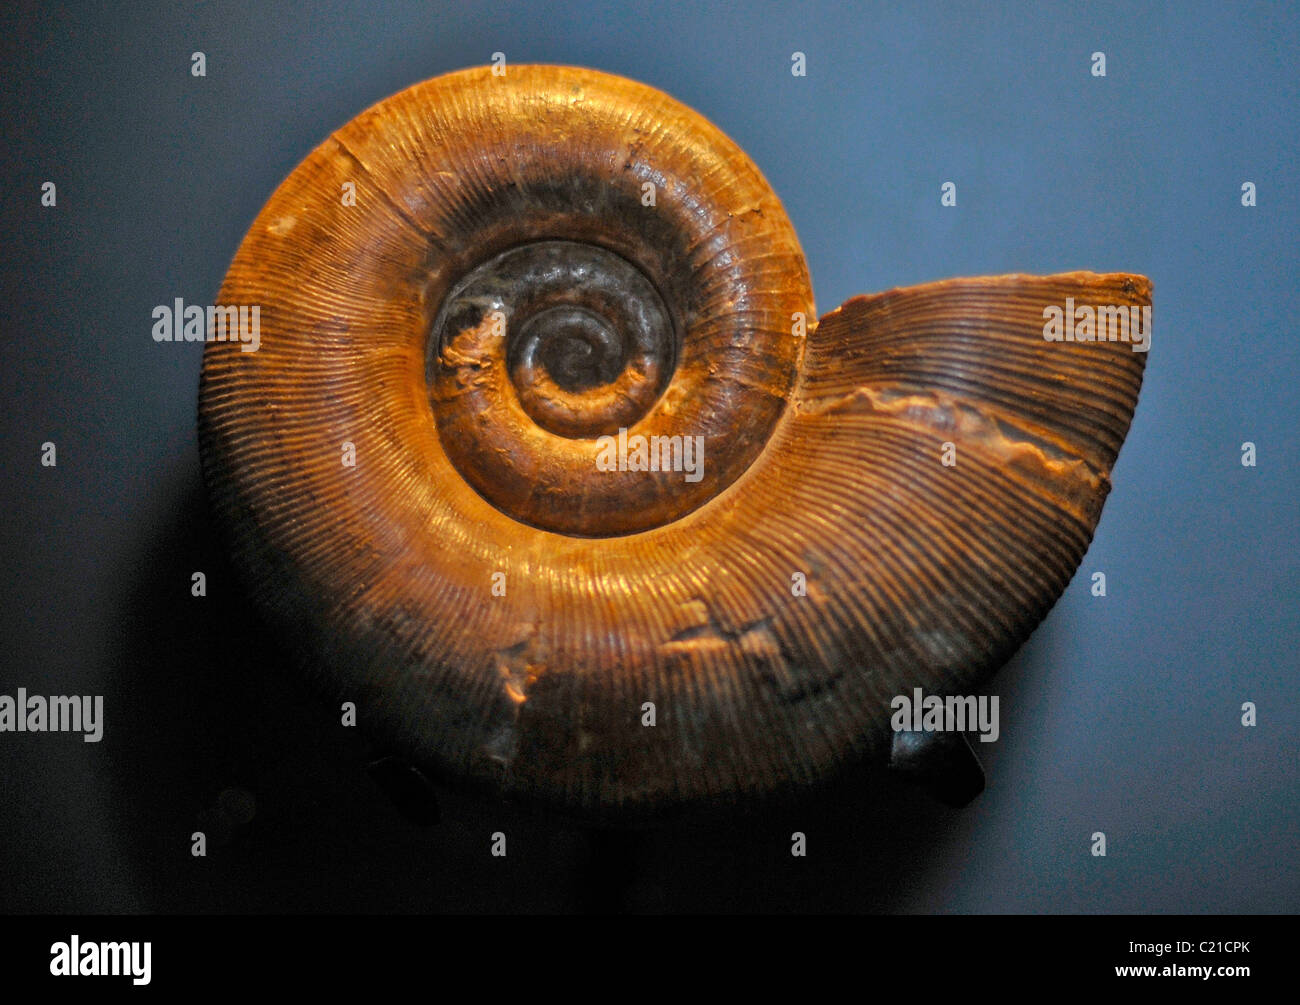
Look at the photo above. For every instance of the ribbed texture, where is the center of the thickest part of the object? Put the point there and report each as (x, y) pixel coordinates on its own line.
(919, 575)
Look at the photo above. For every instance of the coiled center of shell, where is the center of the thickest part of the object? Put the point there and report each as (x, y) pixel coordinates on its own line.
(587, 341)
(599, 389)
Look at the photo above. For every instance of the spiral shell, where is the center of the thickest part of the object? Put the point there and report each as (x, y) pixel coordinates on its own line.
(500, 306)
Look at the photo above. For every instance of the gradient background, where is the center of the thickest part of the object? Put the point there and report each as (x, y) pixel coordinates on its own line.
(1120, 714)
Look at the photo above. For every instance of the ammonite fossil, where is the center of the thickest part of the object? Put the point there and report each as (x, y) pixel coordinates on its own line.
(544, 460)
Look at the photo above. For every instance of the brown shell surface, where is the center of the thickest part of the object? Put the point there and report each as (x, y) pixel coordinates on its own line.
(822, 459)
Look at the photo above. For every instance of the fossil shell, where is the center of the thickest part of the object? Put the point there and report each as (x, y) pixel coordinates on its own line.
(522, 197)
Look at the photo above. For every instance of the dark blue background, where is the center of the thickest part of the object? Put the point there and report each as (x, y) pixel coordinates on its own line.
(1120, 715)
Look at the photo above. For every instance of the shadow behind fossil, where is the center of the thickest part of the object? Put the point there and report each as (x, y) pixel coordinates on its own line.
(226, 739)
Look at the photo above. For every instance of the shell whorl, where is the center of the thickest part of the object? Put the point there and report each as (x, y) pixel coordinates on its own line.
(475, 451)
